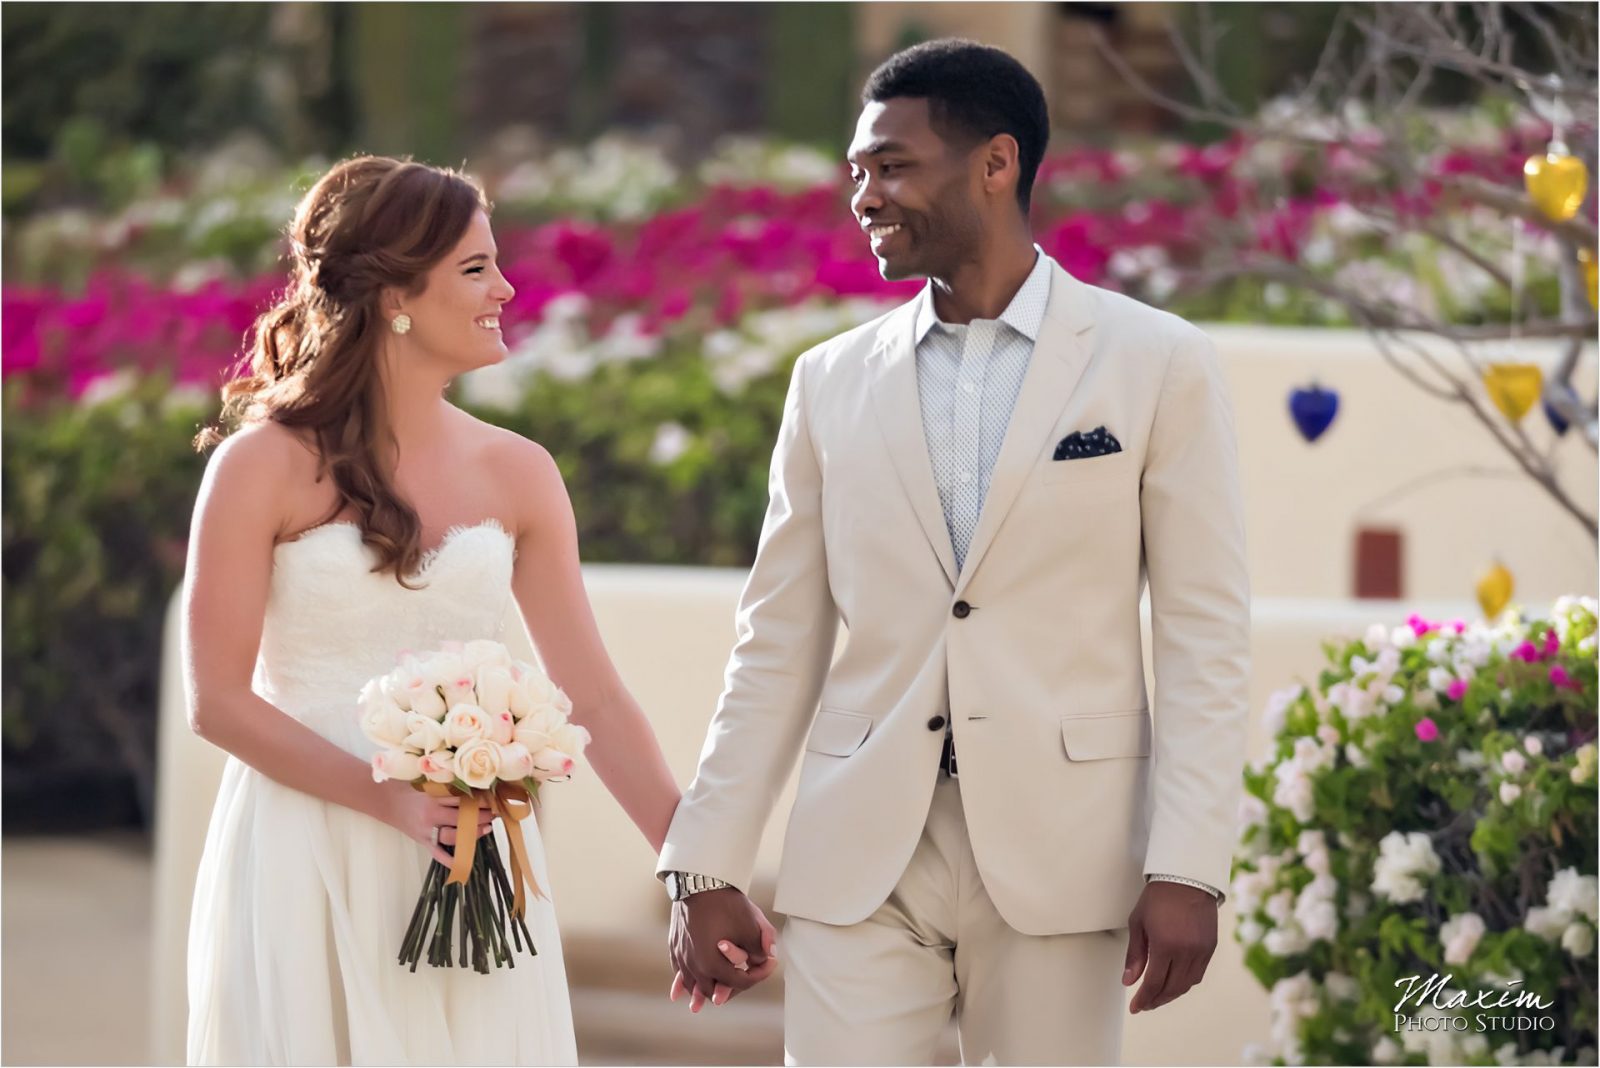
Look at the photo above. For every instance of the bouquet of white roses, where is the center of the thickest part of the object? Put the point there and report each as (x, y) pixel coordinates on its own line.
(469, 720)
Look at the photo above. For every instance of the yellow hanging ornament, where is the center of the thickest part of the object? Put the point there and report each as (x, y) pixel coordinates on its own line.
(1557, 182)
(1586, 257)
(1514, 387)
(1495, 587)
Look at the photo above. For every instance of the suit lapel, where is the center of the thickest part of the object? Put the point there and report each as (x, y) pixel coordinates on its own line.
(1059, 357)
(892, 371)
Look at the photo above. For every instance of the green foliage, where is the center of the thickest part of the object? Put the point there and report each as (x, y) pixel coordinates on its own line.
(1429, 809)
(99, 494)
(97, 500)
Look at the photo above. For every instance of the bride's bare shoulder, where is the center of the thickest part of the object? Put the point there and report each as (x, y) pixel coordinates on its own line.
(273, 469)
(527, 470)
(264, 450)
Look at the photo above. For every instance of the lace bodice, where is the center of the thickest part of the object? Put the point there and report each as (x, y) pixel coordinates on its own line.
(332, 623)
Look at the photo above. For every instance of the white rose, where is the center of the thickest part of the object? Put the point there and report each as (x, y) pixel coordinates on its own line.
(1509, 792)
(382, 719)
(502, 728)
(420, 693)
(551, 763)
(494, 690)
(1459, 935)
(516, 763)
(395, 764)
(424, 733)
(463, 724)
(570, 738)
(455, 680)
(438, 766)
(394, 684)
(1578, 939)
(478, 763)
(1533, 745)
(481, 653)
(530, 737)
(1514, 762)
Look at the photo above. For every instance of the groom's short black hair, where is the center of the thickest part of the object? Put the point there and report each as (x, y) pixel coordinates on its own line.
(973, 92)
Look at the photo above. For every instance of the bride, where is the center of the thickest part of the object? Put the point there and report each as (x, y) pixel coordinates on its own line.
(353, 514)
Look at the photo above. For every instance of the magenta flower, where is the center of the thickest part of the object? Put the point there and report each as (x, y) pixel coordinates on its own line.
(1552, 642)
(1457, 689)
(1562, 680)
(1527, 652)
(1427, 730)
(1420, 626)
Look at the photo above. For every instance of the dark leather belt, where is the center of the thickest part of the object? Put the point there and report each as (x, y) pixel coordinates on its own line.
(947, 759)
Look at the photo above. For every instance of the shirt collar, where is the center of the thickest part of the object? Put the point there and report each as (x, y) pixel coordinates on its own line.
(1025, 313)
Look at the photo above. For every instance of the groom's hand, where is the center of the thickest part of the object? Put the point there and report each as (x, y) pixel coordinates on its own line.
(703, 921)
(1172, 933)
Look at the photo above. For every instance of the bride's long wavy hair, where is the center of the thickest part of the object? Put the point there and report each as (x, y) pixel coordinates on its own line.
(368, 224)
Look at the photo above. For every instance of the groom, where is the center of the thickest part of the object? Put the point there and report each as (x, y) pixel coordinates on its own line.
(993, 819)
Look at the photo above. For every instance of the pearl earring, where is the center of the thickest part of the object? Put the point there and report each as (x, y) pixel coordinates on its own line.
(401, 323)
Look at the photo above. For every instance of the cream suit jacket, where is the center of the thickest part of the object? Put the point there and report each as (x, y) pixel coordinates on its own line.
(1074, 786)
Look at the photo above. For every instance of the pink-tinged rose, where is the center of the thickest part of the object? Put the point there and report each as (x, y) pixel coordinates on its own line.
(382, 719)
(422, 695)
(395, 764)
(1509, 792)
(465, 723)
(439, 766)
(1457, 689)
(1527, 652)
(494, 690)
(551, 763)
(516, 763)
(478, 763)
(424, 733)
(460, 689)
(1427, 729)
(502, 727)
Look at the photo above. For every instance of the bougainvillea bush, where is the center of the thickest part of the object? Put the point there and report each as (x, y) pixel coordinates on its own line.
(1427, 810)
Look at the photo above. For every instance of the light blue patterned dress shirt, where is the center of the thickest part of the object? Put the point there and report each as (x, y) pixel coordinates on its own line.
(968, 378)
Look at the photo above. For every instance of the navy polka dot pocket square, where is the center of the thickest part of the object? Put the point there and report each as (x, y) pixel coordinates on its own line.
(1081, 445)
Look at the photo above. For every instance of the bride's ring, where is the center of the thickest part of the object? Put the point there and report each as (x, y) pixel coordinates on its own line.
(436, 836)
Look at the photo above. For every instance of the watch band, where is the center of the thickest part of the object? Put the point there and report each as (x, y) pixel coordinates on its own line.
(690, 884)
(1196, 883)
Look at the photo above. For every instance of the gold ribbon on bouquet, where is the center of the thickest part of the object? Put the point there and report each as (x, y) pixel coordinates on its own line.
(512, 803)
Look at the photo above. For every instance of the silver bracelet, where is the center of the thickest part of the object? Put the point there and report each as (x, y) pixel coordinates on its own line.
(1196, 883)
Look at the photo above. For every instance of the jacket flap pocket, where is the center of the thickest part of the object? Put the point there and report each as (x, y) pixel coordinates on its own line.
(838, 733)
(1116, 734)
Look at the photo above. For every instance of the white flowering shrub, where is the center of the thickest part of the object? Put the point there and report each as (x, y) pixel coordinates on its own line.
(1428, 809)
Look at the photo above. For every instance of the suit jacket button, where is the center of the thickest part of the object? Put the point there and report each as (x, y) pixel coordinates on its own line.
(961, 610)
(936, 723)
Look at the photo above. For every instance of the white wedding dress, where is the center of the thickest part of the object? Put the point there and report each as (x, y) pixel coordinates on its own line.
(300, 905)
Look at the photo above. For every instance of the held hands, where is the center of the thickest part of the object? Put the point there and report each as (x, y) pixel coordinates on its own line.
(1172, 933)
(720, 945)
